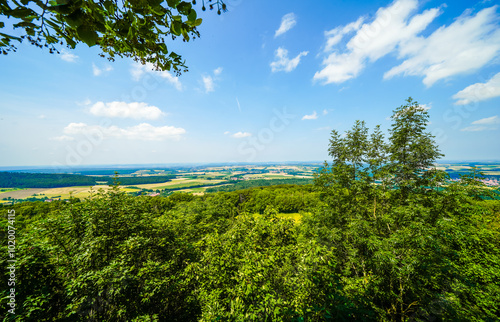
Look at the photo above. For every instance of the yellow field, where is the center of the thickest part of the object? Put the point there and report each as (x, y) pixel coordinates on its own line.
(492, 173)
(84, 191)
(21, 194)
(177, 183)
(66, 192)
(163, 184)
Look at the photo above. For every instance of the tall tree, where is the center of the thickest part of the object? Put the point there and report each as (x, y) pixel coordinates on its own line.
(128, 28)
(412, 149)
(337, 148)
(349, 152)
(377, 153)
(357, 143)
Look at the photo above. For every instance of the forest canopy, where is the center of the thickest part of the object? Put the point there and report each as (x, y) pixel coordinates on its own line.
(49, 180)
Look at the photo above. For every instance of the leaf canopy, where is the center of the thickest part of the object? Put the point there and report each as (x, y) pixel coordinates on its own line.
(131, 28)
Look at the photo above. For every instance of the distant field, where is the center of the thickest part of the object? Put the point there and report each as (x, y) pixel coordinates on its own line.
(303, 176)
(178, 183)
(195, 179)
(21, 194)
(458, 167)
(163, 184)
(62, 193)
(2, 190)
(201, 189)
(455, 169)
(492, 173)
(77, 192)
(271, 176)
(84, 191)
(195, 191)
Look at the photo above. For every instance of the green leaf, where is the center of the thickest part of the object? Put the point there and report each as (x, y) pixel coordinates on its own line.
(10, 37)
(62, 8)
(198, 22)
(185, 34)
(87, 35)
(155, 3)
(22, 13)
(192, 15)
(184, 8)
(175, 28)
(75, 19)
(131, 33)
(110, 6)
(54, 24)
(163, 48)
(2, 24)
(24, 24)
(173, 3)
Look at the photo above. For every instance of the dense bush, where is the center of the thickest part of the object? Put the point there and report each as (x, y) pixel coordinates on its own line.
(121, 258)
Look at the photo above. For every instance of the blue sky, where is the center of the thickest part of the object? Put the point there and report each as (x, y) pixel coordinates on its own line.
(267, 81)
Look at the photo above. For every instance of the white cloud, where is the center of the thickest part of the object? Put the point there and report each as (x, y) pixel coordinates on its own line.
(218, 71)
(138, 71)
(97, 71)
(86, 102)
(475, 128)
(393, 27)
(67, 56)
(335, 35)
(425, 107)
(134, 110)
(63, 138)
(240, 135)
(325, 111)
(486, 124)
(288, 21)
(479, 91)
(143, 131)
(488, 120)
(462, 47)
(324, 128)
(239, 106)
(283, 63)
(312, 116)
(208, 82)
(42, 116)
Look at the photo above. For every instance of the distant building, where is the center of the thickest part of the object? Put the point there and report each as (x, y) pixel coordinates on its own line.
(155, 194)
